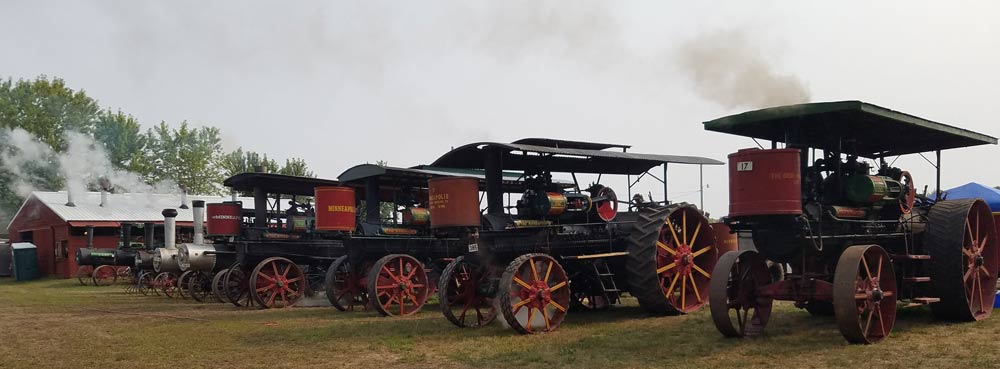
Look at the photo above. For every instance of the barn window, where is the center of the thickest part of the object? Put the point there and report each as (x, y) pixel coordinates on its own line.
(62, 250)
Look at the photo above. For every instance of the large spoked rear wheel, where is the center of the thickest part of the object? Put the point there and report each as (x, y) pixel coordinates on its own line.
(467, 293)
(166, 282)
(144, 283)
(864, 294)
(534, 294)
(182, 283)
(345, 287)
(398, 285)
(236, 287)
(219, 286)
(962, 242)
(105, 275)
(277, 283)
(738, 309)
(671, 251)
(199, 286)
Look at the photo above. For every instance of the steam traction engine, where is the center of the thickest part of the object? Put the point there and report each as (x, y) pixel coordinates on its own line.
(857, 235)
(565, 247)
(397, 250)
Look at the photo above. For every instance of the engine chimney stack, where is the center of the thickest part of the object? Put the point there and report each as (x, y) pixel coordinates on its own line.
(150, 230)
(90, 237)
(199, 221)
(170, 228)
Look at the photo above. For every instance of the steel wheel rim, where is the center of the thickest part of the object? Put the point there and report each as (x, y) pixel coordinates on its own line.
(685, 256)
(399, 285)
(738, 309)
(277, 283)
(461, 292)
(864, 294)
(235, 287)
(182, 284)
(85, 275)
(218, 286)
(537, 294)
(979, 261)
(105, 275)
(344, 286)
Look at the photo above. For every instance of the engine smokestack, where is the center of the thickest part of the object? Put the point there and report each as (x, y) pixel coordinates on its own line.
(199, 221)
(90, 237)
(150, 230)
(170, 228)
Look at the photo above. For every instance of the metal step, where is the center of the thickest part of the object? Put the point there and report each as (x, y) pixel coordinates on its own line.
(922, 301)
(917, 279)
(911, 257)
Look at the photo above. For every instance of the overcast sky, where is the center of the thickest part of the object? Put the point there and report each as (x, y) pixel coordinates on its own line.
(344, 83)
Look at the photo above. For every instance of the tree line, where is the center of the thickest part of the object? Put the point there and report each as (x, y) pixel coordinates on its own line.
(188, 155)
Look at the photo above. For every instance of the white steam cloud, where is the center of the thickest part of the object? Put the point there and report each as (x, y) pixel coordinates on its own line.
(82, 164)
(728, 69)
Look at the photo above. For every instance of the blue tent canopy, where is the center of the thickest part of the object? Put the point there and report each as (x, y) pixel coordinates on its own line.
(974, 190)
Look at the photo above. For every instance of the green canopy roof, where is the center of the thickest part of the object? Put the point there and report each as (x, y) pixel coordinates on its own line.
(852, 127)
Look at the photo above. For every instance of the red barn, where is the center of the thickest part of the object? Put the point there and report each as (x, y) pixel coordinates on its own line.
(47, 220)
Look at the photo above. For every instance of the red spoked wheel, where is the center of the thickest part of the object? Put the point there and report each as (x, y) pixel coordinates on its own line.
(465, 293)
(85, 274)
(864, 294)
(534, 294)
(166, 282)
(398, 285)
(685, 253)
(105, 275)
(738, 309)
(345, 285)
(277, 283)
(236, 287)
(962, 241)
(909, 196)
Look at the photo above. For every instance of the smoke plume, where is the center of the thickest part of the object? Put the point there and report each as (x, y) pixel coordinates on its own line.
(80, 166)
(727, 68)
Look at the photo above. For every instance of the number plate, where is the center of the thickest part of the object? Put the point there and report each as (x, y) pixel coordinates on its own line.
(744, 166)
(473, 247)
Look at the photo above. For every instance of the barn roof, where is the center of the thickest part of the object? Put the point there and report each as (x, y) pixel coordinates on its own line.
(125, 207)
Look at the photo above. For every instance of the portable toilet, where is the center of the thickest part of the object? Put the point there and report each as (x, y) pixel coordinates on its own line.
(24, 261)
(5, 256)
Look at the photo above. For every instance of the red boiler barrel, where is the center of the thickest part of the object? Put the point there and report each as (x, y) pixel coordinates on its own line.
(224, 219)
(416, 216)
(724, 241)
(335, 209)
(765, 182)
(454, 202)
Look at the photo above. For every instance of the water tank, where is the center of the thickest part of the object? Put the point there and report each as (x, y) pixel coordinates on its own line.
(765, 182)
(335, 209)
(454, 202)
(724, 240)
(224, 219)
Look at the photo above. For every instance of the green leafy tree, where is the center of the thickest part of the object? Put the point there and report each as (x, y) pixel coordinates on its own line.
(46, 109)
(122, 138)
(187, 156)
(239, 161)
(296, 167)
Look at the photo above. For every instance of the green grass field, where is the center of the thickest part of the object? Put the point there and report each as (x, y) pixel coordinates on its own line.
(54, 324)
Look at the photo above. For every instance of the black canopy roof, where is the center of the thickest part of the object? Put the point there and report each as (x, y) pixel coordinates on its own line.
(566, 144)
(417, 177)
(276, 183)
(854, 127)
(520, 156)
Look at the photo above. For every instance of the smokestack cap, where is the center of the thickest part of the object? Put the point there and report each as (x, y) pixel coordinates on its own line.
(198, 203)
(170, 213)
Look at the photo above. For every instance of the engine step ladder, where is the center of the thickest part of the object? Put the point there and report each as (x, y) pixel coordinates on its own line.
(607, 281)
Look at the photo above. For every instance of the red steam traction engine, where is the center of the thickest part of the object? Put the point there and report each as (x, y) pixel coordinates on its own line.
(566, 246)
(857, 235)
